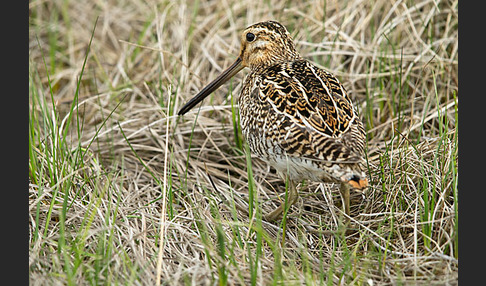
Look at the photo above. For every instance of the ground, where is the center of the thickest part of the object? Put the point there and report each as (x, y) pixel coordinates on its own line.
(123, 191)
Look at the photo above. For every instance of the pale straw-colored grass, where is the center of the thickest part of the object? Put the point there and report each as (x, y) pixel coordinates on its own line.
(97, 191)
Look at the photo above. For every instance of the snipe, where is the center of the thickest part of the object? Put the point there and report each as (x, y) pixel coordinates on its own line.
(295, 116)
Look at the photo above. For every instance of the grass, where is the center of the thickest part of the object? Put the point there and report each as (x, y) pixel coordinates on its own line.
(124, 192)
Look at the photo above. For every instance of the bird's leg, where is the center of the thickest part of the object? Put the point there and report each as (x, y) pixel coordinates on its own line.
(345, 195)
(291, 198)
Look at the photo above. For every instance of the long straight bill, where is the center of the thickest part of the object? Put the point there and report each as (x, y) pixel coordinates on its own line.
(212, 86)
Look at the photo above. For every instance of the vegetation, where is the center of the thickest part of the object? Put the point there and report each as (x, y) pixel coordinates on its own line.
(124, 192)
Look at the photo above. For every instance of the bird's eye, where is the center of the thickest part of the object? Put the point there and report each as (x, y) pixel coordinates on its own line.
(250, 37)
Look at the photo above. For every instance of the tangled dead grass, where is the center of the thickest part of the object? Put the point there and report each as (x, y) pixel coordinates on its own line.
(398, 61)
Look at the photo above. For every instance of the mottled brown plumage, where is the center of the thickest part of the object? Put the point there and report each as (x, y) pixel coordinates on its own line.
(294, 115)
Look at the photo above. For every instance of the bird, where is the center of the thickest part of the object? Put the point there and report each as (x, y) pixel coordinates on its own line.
(295, 116)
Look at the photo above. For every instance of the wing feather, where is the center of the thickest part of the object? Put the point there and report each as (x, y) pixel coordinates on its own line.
(314, 107)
